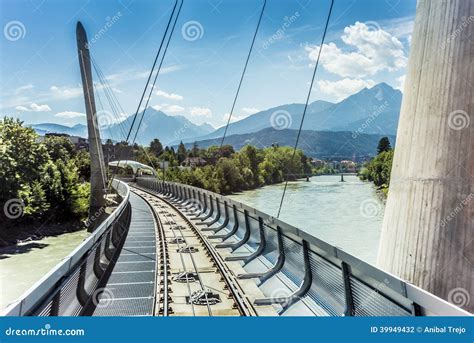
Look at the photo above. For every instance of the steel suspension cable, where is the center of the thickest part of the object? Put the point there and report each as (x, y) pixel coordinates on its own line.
(158, 71)
(306, 104)
(148, 81)
(115, 106)
(151, 71)
(243, 74)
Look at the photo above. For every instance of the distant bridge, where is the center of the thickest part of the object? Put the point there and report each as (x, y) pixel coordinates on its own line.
(172, 249)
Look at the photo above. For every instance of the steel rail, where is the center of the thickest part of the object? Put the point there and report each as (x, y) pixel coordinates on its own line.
(163, 253)
(203, 288)
(244, 306)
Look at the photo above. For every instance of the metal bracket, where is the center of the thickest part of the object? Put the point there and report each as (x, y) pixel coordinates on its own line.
(244, 239)
(218, 215)
(276, 268)
(346, 273)
(81, 292)
(286, 302)
(98, 270)
(256, 253)
(231, 232)
(109, 253)
(211, 212)
(224, 224)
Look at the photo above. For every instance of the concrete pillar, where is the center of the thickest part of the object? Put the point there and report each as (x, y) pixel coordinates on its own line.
(427, 236)
(98, 176)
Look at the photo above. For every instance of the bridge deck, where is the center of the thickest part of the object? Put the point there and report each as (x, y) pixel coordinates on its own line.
(130, 290)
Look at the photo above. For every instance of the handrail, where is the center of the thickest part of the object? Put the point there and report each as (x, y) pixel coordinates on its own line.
(47, 291)
(389, 292)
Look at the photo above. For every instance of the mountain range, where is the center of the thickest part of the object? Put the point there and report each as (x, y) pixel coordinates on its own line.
(76, 130)
(327, 145)
(157, 124)
(372, 110)
(377, 107)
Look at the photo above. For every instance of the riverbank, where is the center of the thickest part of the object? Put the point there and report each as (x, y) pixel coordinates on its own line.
(23, 264)
(26, 232)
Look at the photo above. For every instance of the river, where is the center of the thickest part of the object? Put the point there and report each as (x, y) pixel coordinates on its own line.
(345, 214)
(24, 264)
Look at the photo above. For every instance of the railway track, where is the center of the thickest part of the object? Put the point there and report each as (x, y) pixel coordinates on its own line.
(192, 278)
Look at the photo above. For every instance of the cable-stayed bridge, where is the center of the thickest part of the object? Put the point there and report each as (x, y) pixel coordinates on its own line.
(172, 249)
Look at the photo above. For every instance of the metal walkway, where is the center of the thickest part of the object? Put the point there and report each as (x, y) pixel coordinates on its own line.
(130, 290)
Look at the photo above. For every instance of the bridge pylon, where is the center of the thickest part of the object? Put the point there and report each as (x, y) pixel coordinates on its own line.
(98, 172)
(427, 236)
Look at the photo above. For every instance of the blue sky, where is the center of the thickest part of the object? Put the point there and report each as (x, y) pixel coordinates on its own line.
(368, 42)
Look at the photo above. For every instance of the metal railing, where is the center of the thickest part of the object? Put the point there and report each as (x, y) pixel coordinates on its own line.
(326, 278)
(73, 287)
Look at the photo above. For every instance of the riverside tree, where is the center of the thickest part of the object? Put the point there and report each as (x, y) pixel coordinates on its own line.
(45, 178)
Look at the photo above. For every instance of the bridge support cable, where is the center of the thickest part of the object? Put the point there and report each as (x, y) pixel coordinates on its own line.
(116, 108)
(158, 70)
(243, 74)
(307, 102)
(150, 76)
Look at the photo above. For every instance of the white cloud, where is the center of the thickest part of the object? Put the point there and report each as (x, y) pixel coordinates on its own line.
(401, 82)
(236, 117)
(168, 109)
(69, 114)
(341, 89)
(24, 88)
(250, 110)
(34, 108)
(375, 50)
(399, 27)
(130, 74)
(174, 109)
(170, 69)
(170, 96)
(66, 92)
(200, 111)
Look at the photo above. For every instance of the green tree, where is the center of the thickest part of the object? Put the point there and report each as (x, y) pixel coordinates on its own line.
(181, 155)
(384, 145)
(156, 148)
(44, 176)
